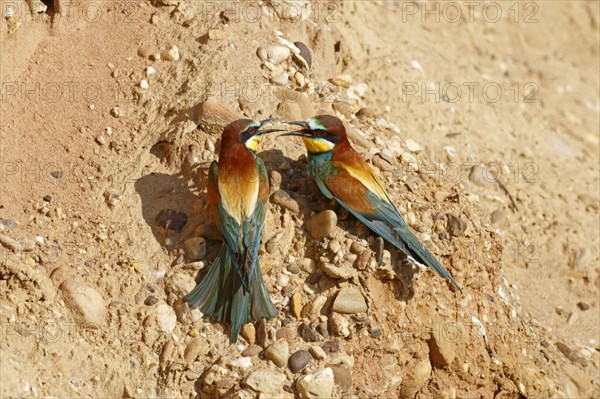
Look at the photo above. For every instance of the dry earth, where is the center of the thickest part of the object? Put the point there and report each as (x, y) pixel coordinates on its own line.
(484, 126)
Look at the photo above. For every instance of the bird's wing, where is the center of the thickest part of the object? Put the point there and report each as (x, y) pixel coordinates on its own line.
(253, 224)
(353, 193)
(227, 225)
(363, 195)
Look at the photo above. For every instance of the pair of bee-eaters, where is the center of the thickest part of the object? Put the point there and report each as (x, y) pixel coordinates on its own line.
(233, 290)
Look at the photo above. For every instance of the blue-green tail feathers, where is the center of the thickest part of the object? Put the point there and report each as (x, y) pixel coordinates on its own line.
(222, 295)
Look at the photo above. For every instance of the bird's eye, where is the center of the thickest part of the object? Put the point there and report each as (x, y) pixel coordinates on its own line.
(251, 130)
(323, 133)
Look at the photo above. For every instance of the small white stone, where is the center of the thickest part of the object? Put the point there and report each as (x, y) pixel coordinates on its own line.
(167, 319)
(242, 362)
(101, 140)
(316, 385)
(144, 84)
(277, 54)
(416, 65)
(413, 146)
(171, 54)
(283, 280)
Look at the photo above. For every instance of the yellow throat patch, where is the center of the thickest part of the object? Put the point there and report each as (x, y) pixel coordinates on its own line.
(317, 145)
(253, 142)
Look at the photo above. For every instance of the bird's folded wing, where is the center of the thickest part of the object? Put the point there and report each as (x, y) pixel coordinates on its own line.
(227, 225)
(253, 225)
(353, 193)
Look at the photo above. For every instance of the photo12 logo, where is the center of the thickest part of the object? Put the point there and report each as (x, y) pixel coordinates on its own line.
(454, 92)
(454, 12)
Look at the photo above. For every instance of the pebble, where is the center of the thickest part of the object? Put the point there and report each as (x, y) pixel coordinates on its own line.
(363, 260)
(283, 199)
(417, 377)
(307, 265)
(165, 354)
(277, 54)
(278, 352)
(241, 362)
(252, 350)
(288, 332)
(171, 54)
(312, 310)
(318, 385)
(197, 347)
(367, 113)
(150, 71)
(349, 301)
(341, 81)
(342, 377)
(331, 346)
(265, 381)
(249, 333)
(413, 146)
(496, 216)
(296, 305)
(100, 140)
(307, 333)
(441, 349)
(338, 272)
(456, 226)
(117, 112)
(583, 306)
(181, 283)
(299, 360)
(144, 84)
(195, 248)
(147, 50)
(293, 268)
(283, 280)
(322, 224)
(262, 333)
(317, 352)
(339, 325)
(166, 317)
(216, 34)
(150, 300)
(305, 56)
(416, 65)
(86, 304)
(410, 160)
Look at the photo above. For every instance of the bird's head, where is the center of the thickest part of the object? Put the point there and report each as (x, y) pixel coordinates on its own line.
(248, 132)
(320, 133)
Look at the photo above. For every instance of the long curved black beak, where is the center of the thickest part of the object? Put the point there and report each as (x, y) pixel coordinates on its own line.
(304, 132)
(267, 131)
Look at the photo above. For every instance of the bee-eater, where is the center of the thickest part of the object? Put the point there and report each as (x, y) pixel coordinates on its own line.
(343, 175)
(233, 290)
